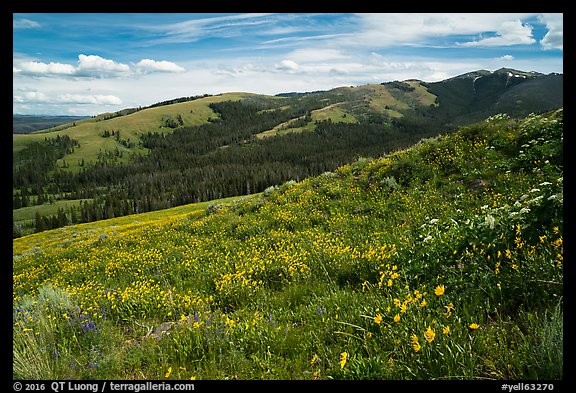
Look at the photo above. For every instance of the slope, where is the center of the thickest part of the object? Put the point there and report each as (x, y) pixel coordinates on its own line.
(422, 264)
(89, 132)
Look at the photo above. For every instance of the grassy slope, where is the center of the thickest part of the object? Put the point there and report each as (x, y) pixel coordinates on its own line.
(423, 264)
(372, 97)
(88, 132)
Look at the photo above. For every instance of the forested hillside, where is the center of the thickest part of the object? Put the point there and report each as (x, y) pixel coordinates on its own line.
(201, 148)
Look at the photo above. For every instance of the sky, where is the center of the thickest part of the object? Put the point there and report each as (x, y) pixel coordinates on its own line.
(91, 63)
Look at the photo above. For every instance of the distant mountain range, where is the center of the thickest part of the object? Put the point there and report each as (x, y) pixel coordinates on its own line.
(24, 124)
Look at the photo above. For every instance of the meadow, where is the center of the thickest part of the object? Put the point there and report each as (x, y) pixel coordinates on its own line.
(441, 261)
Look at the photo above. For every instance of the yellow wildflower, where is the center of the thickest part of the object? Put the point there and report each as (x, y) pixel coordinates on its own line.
(396, 318)
(415, 343)
(314, 359)
(167, 375)
(343, 359)
(429, 334)
(446, 330)
(439, 291)
(378, 319)
(473, 326)
(423, 303)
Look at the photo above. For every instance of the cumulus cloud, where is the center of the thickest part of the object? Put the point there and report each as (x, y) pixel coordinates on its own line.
(147, 65)
(38, 68)
(287, 65)
(93, 66)
(505, 57)
(554, 39)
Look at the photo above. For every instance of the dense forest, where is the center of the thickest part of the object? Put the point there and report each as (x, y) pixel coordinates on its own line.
(215, 160)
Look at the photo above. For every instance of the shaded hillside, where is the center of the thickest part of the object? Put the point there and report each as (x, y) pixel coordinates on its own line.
(476, 95)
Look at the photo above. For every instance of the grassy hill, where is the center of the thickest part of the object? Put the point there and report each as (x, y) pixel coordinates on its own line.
(441, 261)
(384, 98)
(89, 132)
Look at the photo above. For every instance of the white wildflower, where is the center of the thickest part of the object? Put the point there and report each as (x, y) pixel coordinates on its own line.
(489, 220)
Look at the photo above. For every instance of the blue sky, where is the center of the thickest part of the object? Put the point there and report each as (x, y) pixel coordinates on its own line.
(85, 64)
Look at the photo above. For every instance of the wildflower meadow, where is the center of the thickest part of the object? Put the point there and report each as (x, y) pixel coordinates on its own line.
(441, 261)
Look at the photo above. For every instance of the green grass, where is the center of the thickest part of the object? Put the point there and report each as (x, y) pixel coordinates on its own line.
(89, 132)
(333, 113)
(442, 261)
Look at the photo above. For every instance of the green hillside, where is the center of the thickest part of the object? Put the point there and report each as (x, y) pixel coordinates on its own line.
(89, 132)
(441, 261)
(194, 149)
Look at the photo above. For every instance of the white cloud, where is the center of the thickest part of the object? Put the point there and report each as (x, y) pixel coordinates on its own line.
(93, 65)
(554, 39)
(505, 57)
(88, 66)
(509, 33)
(66, 98)
(148, 65)
(38, 68)
(287, 65)
(384, 29)
(31, 97)
(97, 99)
(195, 29)
(24, 24)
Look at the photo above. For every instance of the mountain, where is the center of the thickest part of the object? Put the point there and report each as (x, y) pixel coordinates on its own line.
(476, 95)
(194, 149)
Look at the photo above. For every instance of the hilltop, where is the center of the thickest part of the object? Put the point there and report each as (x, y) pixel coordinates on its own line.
(424, 263)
